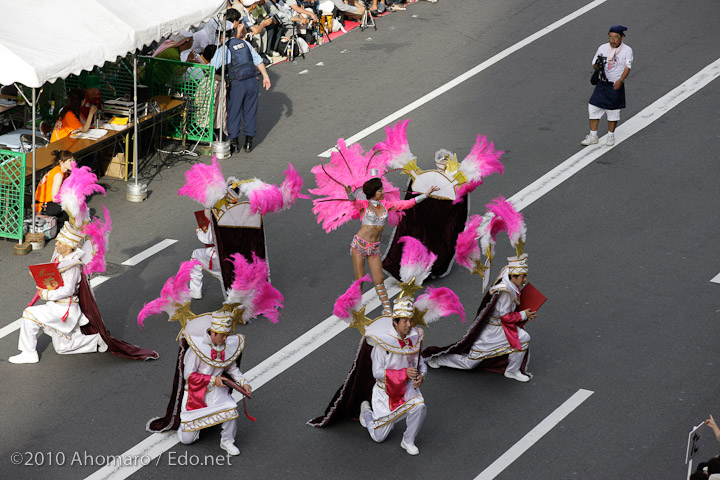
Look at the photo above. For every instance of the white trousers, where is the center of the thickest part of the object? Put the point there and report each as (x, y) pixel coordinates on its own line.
(415, 419)
(204, 256)
(454, 360)
(596, 113)
(77, 342)
(229, 429)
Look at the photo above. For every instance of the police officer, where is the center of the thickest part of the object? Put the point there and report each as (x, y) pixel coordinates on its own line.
(244, 65)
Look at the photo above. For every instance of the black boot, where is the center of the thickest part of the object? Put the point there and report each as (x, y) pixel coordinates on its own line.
(234, 145)
(248, 143)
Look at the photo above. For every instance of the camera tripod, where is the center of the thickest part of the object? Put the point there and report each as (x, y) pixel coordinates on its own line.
(367, 19)
(292, 43)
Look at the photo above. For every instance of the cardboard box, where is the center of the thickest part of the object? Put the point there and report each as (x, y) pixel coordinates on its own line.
(114, 167)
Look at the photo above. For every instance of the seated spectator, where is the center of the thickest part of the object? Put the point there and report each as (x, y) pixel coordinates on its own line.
(92, 96)
(293, 4)
(350, 9)
(69, 119)
(50, 183)
(171, 48)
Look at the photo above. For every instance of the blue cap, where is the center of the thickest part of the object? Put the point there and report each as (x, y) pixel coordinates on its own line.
(618, 29)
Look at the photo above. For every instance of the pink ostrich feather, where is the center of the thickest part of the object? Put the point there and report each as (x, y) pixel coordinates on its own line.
(514, 220)
(348, 166)
(204, 183)
(416, 260)
(464, 189)
(99, 234)
(483, 160)
(467, 251)
(291, 187)
(174, 293)
(267, 302)
(264, 197)
(395, 146)
(438, 303)
(247, 278)
(75, 189)
(351, 300)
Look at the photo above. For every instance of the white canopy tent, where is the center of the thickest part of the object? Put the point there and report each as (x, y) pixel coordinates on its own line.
(44, 40)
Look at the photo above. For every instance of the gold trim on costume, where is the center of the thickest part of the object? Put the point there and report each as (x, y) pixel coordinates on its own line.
(411, 403)
(504, 350)
(216, 363)
(209, 420)
(396, 348)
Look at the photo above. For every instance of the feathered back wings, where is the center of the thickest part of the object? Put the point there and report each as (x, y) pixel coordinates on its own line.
(206, 185)
(349, 166)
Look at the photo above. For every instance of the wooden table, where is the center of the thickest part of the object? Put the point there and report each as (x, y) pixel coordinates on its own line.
(168, 106)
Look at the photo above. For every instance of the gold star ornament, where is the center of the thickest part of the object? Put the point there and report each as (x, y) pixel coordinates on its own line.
(408, 289)
(360, 321)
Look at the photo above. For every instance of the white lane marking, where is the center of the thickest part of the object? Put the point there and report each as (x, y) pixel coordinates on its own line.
(99, 280)
(324, 331)
(534, 435)
(10, 328)
(466, 76)
(157, 443)
(587, 155)
(132, 261)
(716, 278)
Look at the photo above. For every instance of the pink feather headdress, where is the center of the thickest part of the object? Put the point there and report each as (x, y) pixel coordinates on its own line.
(467, 251)
(514, 223)
(72, 195)
(98, 233)
(204, 183)
(351, 300)
(349, 166)
(416, 261)
(173, 295)
(264, 197)
(482, 161)
(438, 303)
(395, 146)
(252, 289)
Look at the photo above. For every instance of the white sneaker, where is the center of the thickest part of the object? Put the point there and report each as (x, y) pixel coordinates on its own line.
(519, 376)
(25, 357)
(102, 346)
(409, 447)
(610, 140)
(364, 406)
(229, 447)
(589, 140)
(432, 362)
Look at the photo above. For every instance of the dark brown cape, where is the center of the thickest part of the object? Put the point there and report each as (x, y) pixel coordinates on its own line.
(96, 325)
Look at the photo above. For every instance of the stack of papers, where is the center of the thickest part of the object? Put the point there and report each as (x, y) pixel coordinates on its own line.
(113, 127)
(7, 103)
(92, 134)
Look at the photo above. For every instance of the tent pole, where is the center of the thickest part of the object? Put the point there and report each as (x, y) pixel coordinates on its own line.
(136, 192)
(222, 149)
(32, 228)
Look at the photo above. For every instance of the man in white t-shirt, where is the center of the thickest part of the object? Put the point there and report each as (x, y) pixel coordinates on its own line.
(609, 94)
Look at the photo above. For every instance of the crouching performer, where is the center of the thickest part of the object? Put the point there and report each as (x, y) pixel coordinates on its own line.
(208, 367)
(497, 340)
(383, 386)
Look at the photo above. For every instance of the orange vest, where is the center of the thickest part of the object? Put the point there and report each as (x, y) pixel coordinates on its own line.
(43, 192)
(64, 127)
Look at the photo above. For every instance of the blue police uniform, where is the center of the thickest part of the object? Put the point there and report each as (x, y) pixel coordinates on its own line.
(243, 99)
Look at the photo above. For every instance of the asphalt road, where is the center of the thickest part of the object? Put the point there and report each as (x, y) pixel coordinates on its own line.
(625, 250)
